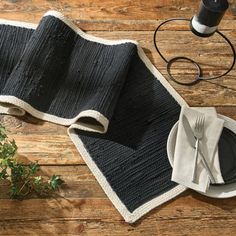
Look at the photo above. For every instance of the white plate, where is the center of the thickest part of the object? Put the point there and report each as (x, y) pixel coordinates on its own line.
(219, 191)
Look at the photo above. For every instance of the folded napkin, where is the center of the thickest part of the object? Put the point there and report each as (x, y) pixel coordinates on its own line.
(184, 153)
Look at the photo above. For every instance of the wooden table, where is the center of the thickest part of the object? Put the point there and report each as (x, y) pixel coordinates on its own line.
(85, 209)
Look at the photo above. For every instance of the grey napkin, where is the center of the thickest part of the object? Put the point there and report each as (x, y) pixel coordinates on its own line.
(184, 153)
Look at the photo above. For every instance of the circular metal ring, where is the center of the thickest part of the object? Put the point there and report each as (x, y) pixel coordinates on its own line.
(196, 78)
(199, 78)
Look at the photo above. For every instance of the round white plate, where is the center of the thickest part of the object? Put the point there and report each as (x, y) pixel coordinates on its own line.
(219, 191)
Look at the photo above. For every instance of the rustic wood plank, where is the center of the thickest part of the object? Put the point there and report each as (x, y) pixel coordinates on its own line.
(189, 205)
(206, 94)
(82, 194)
(142, 25)
(41, 141)
(203, 226)
(47, 149)
(130, 25)
(68, 227)
(94, 9)
(79, 183)
(30, 125)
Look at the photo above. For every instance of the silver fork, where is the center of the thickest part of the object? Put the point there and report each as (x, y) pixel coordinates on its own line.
(198, 133)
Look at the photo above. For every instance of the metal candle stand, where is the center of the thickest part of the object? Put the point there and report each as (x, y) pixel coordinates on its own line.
(203, 24)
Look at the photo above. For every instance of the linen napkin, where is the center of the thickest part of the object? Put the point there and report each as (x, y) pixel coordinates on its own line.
(183, 166)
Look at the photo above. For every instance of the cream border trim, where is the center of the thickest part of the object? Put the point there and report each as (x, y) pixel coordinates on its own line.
(140, 211)
(18, 24)
(15, 106)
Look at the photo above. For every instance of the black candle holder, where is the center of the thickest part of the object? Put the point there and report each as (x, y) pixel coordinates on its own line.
(208, 17)
(199, 77)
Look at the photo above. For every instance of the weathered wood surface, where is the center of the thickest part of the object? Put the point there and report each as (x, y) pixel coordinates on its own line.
(83, 208)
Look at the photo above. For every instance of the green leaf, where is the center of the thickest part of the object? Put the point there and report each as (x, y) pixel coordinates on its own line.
(3, 135)
(14, 191)
(34, 167)
(55, 181)
(38, 180)
(3, 174)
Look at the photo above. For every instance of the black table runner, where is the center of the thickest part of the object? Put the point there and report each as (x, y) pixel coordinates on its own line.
(119, 107)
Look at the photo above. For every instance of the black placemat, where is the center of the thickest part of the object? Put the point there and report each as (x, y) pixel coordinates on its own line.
(227, 155)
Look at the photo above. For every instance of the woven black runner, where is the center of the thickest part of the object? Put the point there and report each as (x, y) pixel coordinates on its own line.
(119, 106)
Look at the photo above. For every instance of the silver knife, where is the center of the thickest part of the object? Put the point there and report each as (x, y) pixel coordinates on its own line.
(192, 141)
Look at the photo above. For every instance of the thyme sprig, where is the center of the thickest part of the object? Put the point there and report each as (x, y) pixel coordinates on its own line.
(23, 179)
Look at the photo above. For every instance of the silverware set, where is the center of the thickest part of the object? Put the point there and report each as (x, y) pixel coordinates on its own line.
(195, 136)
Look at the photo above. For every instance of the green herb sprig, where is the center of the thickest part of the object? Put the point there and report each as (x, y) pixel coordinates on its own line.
(23, 179)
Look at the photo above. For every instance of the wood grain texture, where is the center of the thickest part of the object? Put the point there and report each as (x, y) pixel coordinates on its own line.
(81, 207)
(101, 10)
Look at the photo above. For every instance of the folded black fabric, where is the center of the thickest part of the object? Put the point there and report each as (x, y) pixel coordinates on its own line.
(119, 107)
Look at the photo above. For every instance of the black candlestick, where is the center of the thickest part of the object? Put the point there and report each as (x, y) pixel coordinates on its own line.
(210, 13)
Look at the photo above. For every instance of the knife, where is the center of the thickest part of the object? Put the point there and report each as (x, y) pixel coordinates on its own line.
(192, 142)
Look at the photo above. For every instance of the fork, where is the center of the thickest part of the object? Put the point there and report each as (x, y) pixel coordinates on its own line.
(198, 133)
